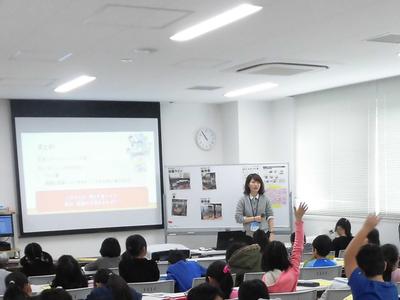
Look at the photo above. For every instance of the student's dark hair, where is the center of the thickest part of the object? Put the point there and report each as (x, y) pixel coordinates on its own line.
(204, 291)
(293, 236)
(175, 255)
(69, 274)
(135, 244)
(346, 225)
(322, 244)
(119, 288)
(15, 283)
(373, 237)
(221, 273)
(55, 294)
(254, 177)
(233, 248)
(253, 290)
(391, 256)
(102, 276)
(261, 238)
(33, 251)
(275, 256)
(370, 260)
(110, 248)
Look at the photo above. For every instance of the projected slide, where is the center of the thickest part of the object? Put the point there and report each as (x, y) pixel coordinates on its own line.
(88, 171)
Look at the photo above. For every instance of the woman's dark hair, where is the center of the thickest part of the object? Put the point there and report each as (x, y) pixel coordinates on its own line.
(33, 251)
(119, 288)
(135, 245)
(346, 225)
(15, 283)
(275, 257)
(221, 273)
(175, 256)
(110, 248)
(391, 256)
(293, 236)
(261, 238)
(204, 291)
(69, 274)
(253, 290)
(373, 237)
(254, 177)
(55, 294)
(102, 276)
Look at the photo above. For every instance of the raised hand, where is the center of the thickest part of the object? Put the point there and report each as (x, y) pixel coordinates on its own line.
(300, 211)
(371, 221)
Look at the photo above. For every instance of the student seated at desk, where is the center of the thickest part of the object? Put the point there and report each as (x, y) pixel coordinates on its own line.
(243, 258)
(68, 274)
(17, 287)
(261, 238)
(282, 274)
(364, 266)
(373, 237)
(322, 245)
(307, 246)
(55, 294)
(391, 256)
(253, 290)
(182, 271)
(108, 286)
(3, 272)
(36, 261)
(205, 291)
(134, 266)
(219, 275)
(343, 230)
(110, 256)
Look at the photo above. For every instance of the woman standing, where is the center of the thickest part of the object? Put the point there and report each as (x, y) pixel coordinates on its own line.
(254, 209)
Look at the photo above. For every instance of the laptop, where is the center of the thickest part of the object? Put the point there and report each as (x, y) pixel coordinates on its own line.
(226, 238)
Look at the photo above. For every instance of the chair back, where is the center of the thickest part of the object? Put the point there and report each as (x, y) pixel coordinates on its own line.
(41, 279)
(299, 295)
(197, 281)
(339, 294)
(328, 273)
(253, 275)
(80, 293)
(161, 286)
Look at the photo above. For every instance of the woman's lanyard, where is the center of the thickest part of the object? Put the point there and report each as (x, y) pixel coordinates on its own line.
(252, 208)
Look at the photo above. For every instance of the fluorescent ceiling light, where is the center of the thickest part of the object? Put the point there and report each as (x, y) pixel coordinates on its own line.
(74, 83)
(216, 22)
(251, 89)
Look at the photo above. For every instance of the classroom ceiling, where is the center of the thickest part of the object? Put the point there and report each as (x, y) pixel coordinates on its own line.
(45, 43)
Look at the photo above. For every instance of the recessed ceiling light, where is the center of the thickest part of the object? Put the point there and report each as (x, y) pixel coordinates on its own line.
(127, 60)
(225, 18)
(251, 89)
(65, 57)
(74, 83)
(146, 51)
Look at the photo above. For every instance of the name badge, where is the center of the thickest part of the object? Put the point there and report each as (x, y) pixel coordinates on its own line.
(254, 226)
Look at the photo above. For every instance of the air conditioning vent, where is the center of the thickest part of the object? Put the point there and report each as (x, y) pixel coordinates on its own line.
(280, 69)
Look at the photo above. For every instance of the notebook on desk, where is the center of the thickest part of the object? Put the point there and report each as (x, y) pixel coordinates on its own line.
(227, 238)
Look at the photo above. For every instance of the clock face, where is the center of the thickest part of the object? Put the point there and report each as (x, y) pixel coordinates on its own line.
(205, 138)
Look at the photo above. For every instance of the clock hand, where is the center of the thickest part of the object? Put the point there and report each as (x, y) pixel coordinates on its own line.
(204, 135)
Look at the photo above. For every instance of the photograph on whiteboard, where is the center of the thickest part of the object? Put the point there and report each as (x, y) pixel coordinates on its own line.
(208, 179)
(179, 207)
(178, 180)
(210, 211)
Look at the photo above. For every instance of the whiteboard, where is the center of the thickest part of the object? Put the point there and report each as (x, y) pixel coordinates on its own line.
(204, 197)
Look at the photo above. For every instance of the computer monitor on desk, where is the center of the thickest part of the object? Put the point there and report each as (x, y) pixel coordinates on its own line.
(6, 226)
(227, 238)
